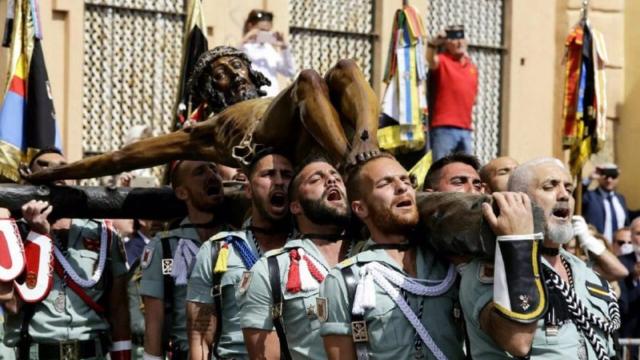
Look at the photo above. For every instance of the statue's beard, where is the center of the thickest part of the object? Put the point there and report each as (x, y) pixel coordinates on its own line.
(238, 96)
(560, 234)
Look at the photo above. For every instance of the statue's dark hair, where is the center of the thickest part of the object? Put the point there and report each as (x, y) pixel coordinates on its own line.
(200, 83)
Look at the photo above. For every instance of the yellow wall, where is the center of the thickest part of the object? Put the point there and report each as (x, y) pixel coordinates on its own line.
(530, 69)
(629, 134)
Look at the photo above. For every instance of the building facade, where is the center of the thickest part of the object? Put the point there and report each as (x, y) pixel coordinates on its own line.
(114, 63)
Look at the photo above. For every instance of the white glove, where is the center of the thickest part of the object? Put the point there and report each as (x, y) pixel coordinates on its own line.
(587, 241)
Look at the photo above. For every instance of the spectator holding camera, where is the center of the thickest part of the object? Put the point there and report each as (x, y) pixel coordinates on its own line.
(603, 207)
(454, 79)
(268, 50)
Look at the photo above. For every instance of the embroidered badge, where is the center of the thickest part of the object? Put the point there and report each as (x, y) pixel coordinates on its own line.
(145, 260)
(167, 266)
(31, 279)
(485, 274)
(91, 244)
(321, 309)
(244, 282)
(60, 302)
(524, 302)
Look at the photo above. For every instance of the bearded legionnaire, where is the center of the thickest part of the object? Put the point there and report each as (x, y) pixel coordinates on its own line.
(394, 300)
(573, 314)
(313, 113)
(287, 279)
(78, 309)
(166, 260)
(223, 262)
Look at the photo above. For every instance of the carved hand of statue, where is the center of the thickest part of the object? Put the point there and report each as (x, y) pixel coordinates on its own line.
(515, 217)
(35, 213)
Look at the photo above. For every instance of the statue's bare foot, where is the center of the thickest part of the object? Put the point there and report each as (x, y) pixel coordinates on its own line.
(363, 149)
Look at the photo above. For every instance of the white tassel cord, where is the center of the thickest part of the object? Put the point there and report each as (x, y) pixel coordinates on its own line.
(307, 281)
(385, 277)
(105, 239)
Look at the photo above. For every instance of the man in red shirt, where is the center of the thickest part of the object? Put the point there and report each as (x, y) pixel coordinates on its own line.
(456, 85)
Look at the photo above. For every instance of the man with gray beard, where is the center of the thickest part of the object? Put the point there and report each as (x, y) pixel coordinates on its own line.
(579, 314)
(283, 286)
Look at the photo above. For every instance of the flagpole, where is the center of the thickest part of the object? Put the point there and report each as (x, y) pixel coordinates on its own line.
(584, 12)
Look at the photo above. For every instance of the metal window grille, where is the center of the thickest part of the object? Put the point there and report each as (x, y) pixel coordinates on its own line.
(483, 21)
(323, 32)
(132, 54)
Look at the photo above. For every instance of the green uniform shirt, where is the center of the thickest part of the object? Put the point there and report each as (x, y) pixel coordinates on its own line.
(152, 283)
(476, 291)
(231, 344)
(301, 322)
(391, 335)
(63, 315)
(135, 312)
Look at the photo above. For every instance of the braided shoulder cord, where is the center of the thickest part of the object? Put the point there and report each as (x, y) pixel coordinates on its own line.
(581, 316)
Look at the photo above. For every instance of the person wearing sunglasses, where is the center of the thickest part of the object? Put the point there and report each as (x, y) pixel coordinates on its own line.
(603, 207)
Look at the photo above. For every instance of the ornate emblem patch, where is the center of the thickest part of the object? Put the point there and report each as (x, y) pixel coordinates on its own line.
(167, 266)
(147, 255)
(321, 309)
(244, 282)
(91, 244)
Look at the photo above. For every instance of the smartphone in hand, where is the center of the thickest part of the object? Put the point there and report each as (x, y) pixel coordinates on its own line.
(265, 37)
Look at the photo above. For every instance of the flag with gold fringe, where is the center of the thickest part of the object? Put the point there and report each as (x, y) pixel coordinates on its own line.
(27, 115)
(585, 103)
(405, 102)
(195, 44)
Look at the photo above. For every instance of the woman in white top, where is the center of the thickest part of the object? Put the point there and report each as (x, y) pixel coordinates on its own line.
(268, 50)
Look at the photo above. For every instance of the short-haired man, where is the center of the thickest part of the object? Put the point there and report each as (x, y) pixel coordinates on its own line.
(85, 311)
(166, 259)
(223, 262)
(604, 207)
(495, 174)
(622, 244)
(503, 318)
(396, 299)
(455, 80)
(454, 173)
(287, 280)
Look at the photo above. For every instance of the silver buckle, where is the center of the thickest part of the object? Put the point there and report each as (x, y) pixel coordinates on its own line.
(551, 330)
(69, 350)
(276, 311)
(359, 331)
(167, 266)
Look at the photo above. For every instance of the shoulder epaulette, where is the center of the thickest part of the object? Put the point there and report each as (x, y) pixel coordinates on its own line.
(275, 252)
(347, 262)
(224, 234)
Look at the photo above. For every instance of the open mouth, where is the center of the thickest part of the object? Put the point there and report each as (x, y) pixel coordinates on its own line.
(561, 213)
(404, 204)
(214, 188)
(334, 195)
(278, 200)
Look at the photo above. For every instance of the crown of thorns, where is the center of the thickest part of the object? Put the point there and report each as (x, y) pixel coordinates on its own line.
(209, 57)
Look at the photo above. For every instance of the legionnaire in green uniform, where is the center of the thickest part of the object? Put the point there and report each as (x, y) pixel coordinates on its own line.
(394, 300)
(85, 312)
(287, 280)
(222, 263)
(580, 314)
(143, 232)
(166, 260)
